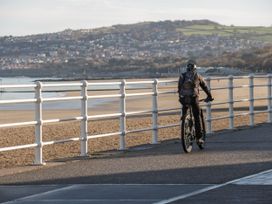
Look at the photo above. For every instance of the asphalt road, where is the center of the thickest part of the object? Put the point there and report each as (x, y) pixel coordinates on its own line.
(157, 174)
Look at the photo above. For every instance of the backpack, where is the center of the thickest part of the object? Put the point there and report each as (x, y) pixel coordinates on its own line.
(188, 84)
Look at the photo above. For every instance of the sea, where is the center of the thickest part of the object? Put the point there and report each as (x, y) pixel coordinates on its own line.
(49, 92)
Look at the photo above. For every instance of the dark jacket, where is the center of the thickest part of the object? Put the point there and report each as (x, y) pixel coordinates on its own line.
(189, 83)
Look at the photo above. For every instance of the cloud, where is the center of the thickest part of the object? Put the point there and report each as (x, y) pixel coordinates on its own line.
(35, 16)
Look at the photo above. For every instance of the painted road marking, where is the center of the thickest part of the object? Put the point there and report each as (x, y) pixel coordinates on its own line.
(262, 179)
(117, 193)
(43, 193)
(183, 196)
(151, 193)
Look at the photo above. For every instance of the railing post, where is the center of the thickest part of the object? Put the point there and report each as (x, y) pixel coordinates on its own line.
(123, 115)
(38, 126)
(231, 115)
(251, 99)
(84, 121)
(155, 112)
(269, 98)
(209, 110)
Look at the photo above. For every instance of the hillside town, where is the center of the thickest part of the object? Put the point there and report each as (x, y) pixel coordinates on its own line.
(91, 48)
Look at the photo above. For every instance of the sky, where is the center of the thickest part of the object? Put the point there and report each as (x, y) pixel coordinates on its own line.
(25, 17)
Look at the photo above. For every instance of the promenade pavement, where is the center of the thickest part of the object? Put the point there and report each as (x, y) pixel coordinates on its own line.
(235, 167)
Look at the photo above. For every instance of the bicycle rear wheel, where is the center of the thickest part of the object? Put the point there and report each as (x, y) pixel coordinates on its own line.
(187, 133)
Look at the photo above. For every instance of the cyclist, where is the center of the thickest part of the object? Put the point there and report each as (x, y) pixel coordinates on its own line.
(188, 89)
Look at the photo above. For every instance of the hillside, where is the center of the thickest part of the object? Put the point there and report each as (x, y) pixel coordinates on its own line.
(254, 60)
(148, 48)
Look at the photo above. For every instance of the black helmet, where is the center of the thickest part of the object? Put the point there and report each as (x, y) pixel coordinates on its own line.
(191, 65)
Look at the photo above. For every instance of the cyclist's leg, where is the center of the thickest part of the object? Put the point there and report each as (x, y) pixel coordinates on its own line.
(184, 109)
(196, 113)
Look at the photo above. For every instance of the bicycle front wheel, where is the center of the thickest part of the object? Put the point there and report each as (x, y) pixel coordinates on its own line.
(203, 130)
(187, 133)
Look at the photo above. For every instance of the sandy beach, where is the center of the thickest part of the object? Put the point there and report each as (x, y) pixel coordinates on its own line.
(26, 135)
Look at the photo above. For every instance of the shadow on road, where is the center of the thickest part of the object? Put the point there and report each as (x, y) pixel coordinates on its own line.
(196, 175)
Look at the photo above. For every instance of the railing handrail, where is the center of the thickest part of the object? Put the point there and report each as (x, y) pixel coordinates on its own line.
(122, 114)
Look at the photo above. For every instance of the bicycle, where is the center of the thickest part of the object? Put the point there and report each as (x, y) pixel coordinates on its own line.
(188, 129)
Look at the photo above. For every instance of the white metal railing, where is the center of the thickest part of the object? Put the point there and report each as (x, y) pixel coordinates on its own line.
(39, 100)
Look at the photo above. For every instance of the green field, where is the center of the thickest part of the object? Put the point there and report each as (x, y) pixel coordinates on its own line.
(256, 33)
